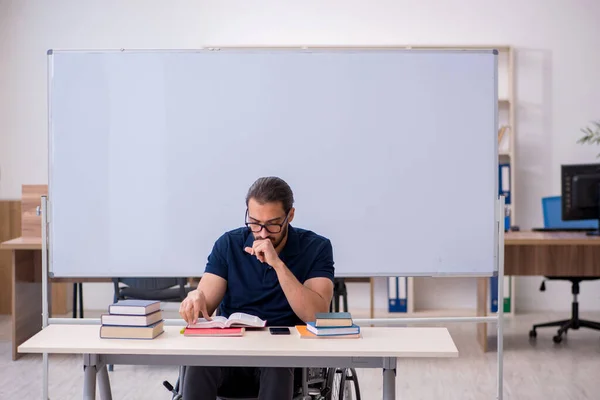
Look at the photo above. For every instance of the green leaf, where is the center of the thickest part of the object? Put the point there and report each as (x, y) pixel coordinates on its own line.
(591, 136)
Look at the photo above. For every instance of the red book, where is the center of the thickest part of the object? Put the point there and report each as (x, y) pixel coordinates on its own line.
(214, 331)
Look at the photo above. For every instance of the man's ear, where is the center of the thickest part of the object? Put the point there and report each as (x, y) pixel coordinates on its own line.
(291, 217)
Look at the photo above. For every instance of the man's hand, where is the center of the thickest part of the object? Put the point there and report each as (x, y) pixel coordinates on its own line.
(265, 252)
(192, 305)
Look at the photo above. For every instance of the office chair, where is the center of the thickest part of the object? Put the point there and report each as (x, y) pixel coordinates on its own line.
(163, 289)
(77, 289)
(551, 207)
(339, 290)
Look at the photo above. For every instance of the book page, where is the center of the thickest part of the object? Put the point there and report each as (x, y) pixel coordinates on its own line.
(204, 323)
(245, 319)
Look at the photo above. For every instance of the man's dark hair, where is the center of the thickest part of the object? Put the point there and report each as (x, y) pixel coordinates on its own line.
(271, 189)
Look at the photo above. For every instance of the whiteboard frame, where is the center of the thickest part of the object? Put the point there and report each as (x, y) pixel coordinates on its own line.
(307, 49)
(499, 248)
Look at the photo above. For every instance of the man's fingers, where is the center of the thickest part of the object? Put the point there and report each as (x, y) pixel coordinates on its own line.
(183, 311)
(255, 246)
(205, 312)
(186, 313)
(260, 250)
(195, 312)
(255, 250)
(260, 242)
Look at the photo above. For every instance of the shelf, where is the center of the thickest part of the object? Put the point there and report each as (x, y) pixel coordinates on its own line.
(441, 312)
(383, 313)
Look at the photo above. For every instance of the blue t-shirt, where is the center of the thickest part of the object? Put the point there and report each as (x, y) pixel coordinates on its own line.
(253, 287)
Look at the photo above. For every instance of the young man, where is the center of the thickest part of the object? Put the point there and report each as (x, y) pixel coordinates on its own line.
(270, 269)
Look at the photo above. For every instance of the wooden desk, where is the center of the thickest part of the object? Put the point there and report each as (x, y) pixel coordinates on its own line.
(26, 312)
(542, 254)
(378, 348)
(22, 243)
(26, 289)
(10, 227)
(551, 254)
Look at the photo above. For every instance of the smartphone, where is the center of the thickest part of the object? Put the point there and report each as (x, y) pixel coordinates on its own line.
(279, 331)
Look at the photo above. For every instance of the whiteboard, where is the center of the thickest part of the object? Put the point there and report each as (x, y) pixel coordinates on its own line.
(391, 154)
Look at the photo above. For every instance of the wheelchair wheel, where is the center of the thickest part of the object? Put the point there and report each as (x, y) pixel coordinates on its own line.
(342, 384)
(351, 385)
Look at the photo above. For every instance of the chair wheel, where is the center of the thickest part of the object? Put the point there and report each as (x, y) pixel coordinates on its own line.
(532, 333)
(557, 339)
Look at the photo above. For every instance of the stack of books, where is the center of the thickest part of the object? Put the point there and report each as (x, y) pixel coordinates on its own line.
(132, 319)
(331, 325)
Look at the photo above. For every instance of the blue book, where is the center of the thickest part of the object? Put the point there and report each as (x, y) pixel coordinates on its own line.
(134, 307)
(332, 330)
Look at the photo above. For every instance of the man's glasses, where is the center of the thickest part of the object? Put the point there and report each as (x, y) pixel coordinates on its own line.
(270, 227)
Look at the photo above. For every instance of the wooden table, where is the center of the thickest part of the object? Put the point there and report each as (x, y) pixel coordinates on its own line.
(551, 254)
(378, 348)
(27, 288)
(542, 254)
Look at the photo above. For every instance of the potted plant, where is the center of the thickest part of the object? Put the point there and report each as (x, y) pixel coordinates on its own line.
(591, 135)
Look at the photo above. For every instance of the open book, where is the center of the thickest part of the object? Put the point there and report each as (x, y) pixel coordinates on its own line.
(235, 319)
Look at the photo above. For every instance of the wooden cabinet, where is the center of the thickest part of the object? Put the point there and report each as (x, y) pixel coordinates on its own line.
(10, 228)
(18, 218)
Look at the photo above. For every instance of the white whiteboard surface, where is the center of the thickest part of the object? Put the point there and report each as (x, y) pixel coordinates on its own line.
(391, 154)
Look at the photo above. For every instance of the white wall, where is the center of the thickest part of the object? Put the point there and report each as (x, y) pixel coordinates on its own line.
(557, 64)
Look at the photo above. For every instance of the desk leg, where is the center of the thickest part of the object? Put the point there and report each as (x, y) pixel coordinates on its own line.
(389, 378)
(372, 298)
(95, 372)
(45, 370)
(26, 296)
(91, 369)
(104, 384)
(372, 295)
(89, 382)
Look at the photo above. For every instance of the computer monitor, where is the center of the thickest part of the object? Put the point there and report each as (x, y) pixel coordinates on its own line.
(580, 187)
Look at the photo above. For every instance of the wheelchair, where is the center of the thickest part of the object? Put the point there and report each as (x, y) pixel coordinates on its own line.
(309, 384)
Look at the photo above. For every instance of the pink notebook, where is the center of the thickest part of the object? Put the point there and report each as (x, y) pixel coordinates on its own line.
(214, 331)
